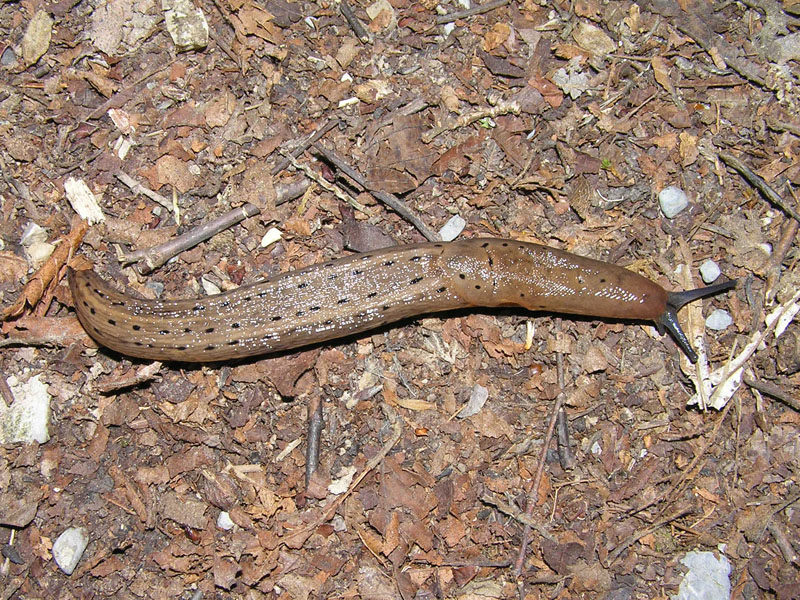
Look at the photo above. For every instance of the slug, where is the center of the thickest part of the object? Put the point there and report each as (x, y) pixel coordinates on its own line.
(364, 291)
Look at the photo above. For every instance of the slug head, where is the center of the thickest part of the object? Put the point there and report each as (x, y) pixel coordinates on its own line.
(675, 301)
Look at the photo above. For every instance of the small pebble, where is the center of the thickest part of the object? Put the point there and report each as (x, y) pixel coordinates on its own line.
(224, 521)
(673, 200)
(719, 320)
(452, 229)
(709, 271)
(68, 548)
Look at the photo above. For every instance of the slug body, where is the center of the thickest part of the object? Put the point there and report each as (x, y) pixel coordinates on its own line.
(364, 291)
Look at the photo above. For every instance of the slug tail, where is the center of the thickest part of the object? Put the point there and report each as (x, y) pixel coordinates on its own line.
(675, 301)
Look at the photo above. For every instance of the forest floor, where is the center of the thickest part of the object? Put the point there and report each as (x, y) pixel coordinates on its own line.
(439, 474)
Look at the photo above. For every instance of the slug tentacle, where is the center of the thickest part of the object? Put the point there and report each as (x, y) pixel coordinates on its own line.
(677, 300)
(365, 291)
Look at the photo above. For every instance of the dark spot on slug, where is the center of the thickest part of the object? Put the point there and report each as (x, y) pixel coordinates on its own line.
(485, 245)
(248, 298)
(138, 343)
(164, 332)
(117, 303)
(521, 295)
(85, 303)
(438, 246)
(415, 259)
(299, 313)
(505, 244)
(198, 308)
(580, 279)
(328, 322)
(262, 294)
(233, 342)
(235, 325)
(93, 311)
(477, 287)
(602, 280)
(300, 286)
(180, 348)
(187, 330)
(332, 276)
(226, 304)
(366, 257)
(210, 330)
(388, 263)
(112, 322)
(343, 301)
(314, 308)
(415, 280)
(357, 272)
(385, 307)
(491, 261)
(209, 347)
(99, 293)
(441, 289)
(136, 327)
(372, 294)
(276, 318)
(462, 276)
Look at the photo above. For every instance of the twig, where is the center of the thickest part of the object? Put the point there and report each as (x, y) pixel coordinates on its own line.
(779, 252)
(502, 108)
(534, 491)
(770, 389)
(325, 185)
(138, 188)
(758, 183)
(390, 200)
(475, 10)
(313, 139)
(158, 255)
(353, 21)
(313, 435)
(637, 535)
(333, 506)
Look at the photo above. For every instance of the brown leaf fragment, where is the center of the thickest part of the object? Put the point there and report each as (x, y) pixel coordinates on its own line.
(47, 274)
(257, 187)
(362, 236)
(121, 480)
(589, 577)
(54, 331)
(500, 67)
(19, 510)
(391, 538)
(661, 74)
(181, 462)
(225, 570)
(175, 172)
(283, 371)
(37, 36)
(183, 510)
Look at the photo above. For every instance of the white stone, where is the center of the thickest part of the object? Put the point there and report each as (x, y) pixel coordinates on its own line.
(452, 229)
(719, 320)
(672, 200)
(709, 271)
(224, 521)
(708, 577)
(68, 548)
(27, 419)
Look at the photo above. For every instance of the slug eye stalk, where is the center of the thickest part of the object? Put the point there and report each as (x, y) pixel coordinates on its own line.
(675, 301)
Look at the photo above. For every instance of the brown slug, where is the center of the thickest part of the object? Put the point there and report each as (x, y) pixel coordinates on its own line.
(364, 291)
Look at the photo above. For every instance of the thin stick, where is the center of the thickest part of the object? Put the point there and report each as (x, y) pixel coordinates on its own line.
(353, 21)
(314, 433)
(757, 182)
(390, 200)
(770, 389)
(476, 10)
(534, 492)
(315, 137)
(138, 188)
